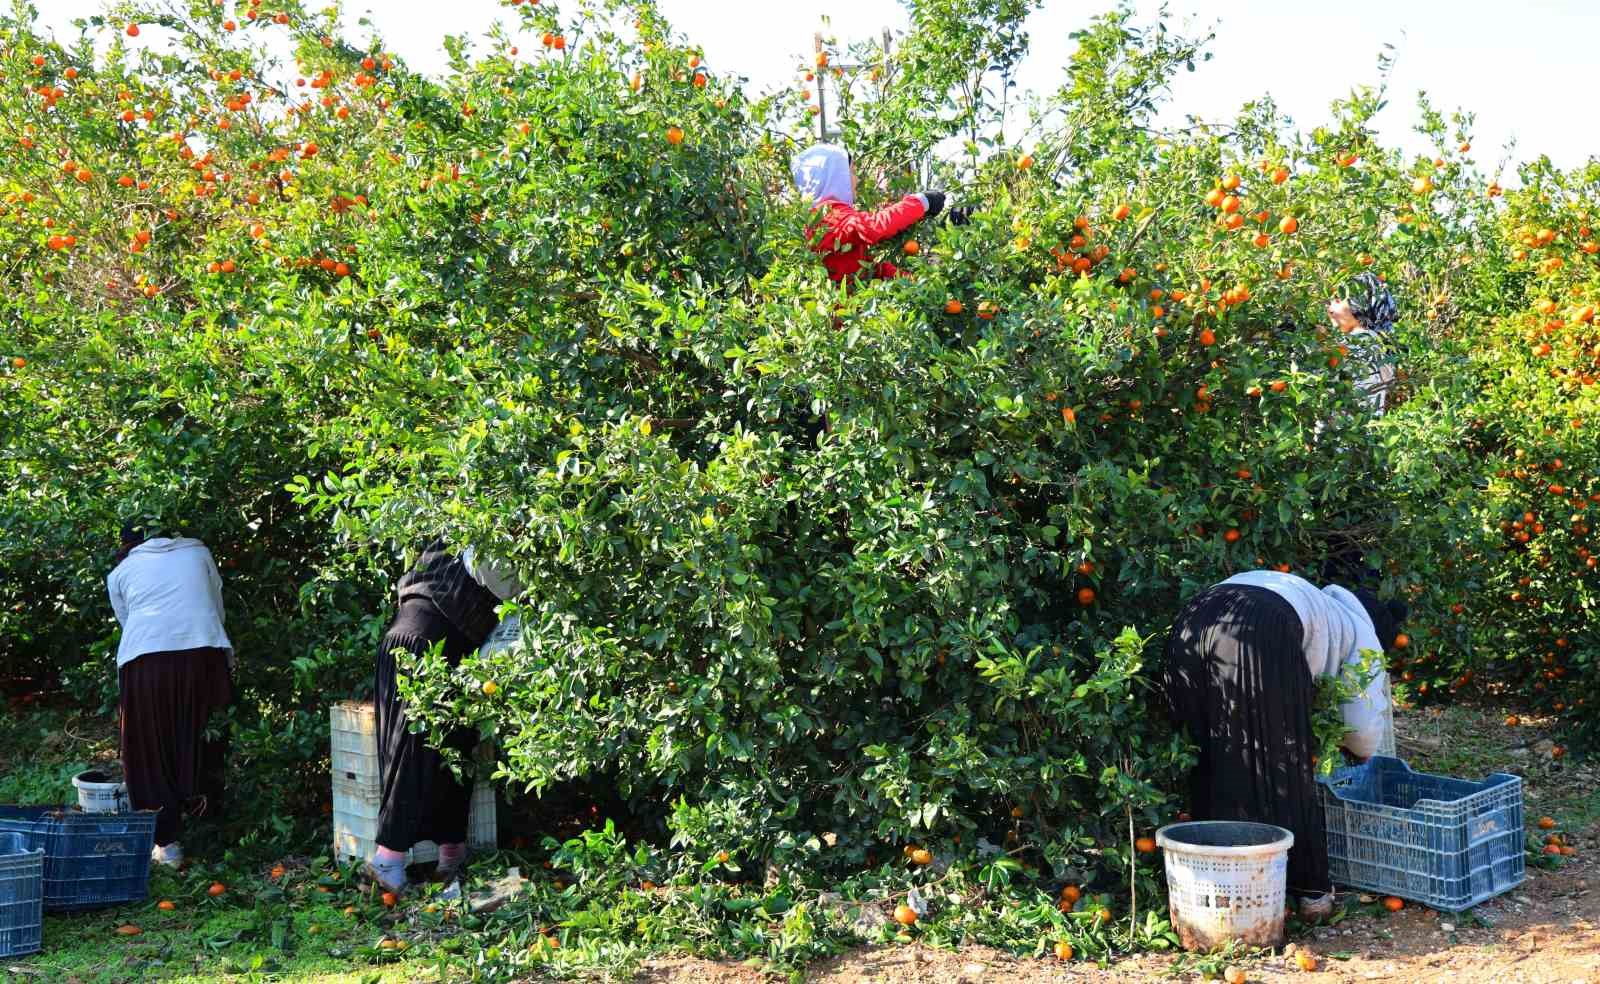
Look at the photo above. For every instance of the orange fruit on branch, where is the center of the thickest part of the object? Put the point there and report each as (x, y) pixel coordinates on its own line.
(905, 915)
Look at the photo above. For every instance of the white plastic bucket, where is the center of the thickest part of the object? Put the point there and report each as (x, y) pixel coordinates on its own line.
(1226, 881)
(98, 793)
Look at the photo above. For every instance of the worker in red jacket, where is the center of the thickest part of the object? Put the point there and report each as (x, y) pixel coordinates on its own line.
(822, 173)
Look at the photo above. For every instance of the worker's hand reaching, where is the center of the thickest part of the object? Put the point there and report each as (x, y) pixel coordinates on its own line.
(935, 200)
(959, 216)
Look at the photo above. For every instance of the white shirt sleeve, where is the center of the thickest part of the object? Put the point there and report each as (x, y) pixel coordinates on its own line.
(118, 604)
(1365, 717)
(499, 578)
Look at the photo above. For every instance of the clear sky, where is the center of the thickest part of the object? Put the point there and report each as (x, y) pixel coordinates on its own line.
(1526, 68)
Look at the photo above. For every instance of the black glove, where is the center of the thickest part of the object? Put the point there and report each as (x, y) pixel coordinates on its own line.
(959, 216)
(935, 203)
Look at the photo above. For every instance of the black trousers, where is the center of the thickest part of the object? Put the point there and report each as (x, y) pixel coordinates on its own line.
(1236, 678)
(422, 799)
(166, 704)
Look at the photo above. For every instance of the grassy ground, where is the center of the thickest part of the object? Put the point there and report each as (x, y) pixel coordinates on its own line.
(310, 923)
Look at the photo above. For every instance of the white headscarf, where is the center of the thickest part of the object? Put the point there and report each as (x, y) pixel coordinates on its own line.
(822, 173)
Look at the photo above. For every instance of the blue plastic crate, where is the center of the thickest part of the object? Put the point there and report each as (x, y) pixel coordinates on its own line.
(91, 860)
(21, 896)
(1447, 843)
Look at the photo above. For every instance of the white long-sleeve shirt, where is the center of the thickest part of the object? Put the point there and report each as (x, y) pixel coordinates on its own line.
(1335, 629)
(168, 596)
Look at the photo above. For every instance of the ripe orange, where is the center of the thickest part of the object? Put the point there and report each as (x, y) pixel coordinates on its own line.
(1305, 960)
(216, 889)
(133, 30)
(129, 930)
(1085, 595)
(1554, 849)
(1230, 204)
(722, 857)
(1071, 893)
(1288, 224)
(1401, 641)
(1233, 975)
(1122, 212)
(1214, 198)
(1557, 752)
(1063, 950)
(276, 872)
(1145, 845)
(1278, 386)
(1102, 915)
(1394, 904)
(952, 306)
(1232, 536)
(388, 899)
(1547, 823)
(1025, 162)
(166, 905)
(921, 856)
(490, 688)
(910, 247)
(674, 135)
(905, 915)
(1208, 337)
(1280, 175)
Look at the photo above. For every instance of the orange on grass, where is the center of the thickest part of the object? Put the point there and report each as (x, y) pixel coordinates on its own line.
(166, 905)
(905, 915)
(1305, 960)
(1547, 823)
(388, 899)
(216, 889)
(1063, 950)
(129, 930)
(1394, 904)
(1233, 975)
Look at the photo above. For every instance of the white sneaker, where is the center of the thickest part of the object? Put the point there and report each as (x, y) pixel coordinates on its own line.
(170, 855)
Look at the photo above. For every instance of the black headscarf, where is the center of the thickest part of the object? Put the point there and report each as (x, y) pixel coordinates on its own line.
(1387, 616)
(131, 536)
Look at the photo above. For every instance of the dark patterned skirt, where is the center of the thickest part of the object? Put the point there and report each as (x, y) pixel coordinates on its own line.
(1236, 678)
(422, 800)
(166, 704)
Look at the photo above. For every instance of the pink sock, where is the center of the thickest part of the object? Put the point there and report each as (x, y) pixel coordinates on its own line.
(451, 855)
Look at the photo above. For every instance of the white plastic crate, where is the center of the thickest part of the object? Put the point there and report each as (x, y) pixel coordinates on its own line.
(355, 822)
(357, 793)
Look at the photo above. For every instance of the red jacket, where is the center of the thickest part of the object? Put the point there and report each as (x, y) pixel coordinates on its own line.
(844, 233)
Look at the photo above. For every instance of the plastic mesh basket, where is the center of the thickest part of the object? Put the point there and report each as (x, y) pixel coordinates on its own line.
(1447, 843)
(21, 896)
(1226, 881)
(91, 860)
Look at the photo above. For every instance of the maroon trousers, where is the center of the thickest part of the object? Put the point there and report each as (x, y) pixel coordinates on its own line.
(169, 763)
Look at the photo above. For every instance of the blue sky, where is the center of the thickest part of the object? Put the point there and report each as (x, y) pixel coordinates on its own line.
(1526, 69)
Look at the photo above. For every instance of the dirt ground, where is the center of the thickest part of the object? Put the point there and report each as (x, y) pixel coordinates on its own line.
(1547, 931)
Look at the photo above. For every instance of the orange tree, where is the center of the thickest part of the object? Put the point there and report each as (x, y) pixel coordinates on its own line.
(825, 572)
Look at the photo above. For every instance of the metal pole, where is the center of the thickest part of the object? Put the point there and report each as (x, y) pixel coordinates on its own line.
(822, 78)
